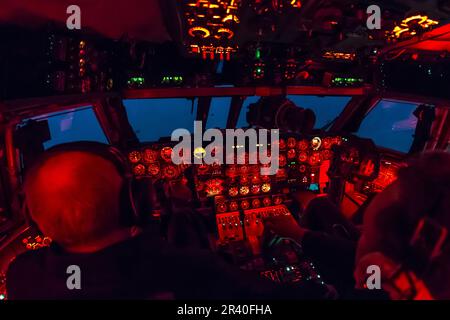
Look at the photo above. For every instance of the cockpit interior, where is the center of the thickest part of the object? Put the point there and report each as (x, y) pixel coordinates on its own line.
(352, 89)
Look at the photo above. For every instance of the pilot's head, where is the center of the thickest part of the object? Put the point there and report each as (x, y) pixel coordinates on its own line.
(404, 232)
(74, 198)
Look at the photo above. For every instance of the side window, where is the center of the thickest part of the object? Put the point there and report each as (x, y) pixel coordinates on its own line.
(71, 126)
(391, 125)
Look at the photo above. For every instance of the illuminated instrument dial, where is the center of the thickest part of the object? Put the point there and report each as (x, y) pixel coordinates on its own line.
(134, 156)
(282, 161)
(214, 187)
(303, 157)
(166, 154)
(233, 191)
(234, 206)
(314, 159)
(327, 155)
(282, 144)
(139, 170)
(153, 169)
(277, 200)
(302, 168)
(327, 142)
(265, 187)
(221, 207)
(316, 143)
(243, 180)
(255, 189)
(267, 201)
(291, 143)
(291, 154)
(265, 178)
(245, 204)
(199, 153)
(232, 171)
(256, 203)
(244, 190)
(303, 145)
(170, 172)
(150, 156)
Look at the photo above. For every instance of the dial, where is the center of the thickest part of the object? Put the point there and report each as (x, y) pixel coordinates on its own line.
(291, 142)
(153, 169)
(166, 154)
(234, 206)
(221, 207)
(150, 156)
(256, 203)
(327, 142)
(282, 143)
(316, 143)
(244, 190)
(302, 168)
(265, 187)
(134, 156)
(139, 170)
(303, 157)
(282, 160)
(291, 154)
(327, 155)
(314, 159)
(245, 204)
(255, 189)
(233, 191)
(267, 201)
(170, 172)
(303, 145)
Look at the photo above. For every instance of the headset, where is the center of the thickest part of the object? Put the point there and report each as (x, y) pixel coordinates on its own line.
(129, 213)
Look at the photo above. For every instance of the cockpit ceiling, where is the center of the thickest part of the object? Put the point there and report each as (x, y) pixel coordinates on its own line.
(137, 19)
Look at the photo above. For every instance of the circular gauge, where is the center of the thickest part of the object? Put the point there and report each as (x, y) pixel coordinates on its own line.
(291, 143)
(244, 190)
(166, 154)
(231, 171)
(243, 179)
(150, 156)
(303, 145)
(234, 206)
(316, 143)
(256, 203)
(255, 189)
(282, 160)
(170, 172)
(134, 156)
(265, 178)
(265, 187)
(314, 159)
(233, 191)
(139, 170)
(245, 204)
(256, 179)
(267, 201)
(337, 140)
(221, 207)
(282, 144)
(153, 169)
(199, 153)
(327, 155)
(277, 200)
(303, 157)
(302, 168)
(291, 154)
(327, 143)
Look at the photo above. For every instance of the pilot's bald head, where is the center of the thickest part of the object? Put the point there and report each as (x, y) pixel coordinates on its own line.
(74, 197)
